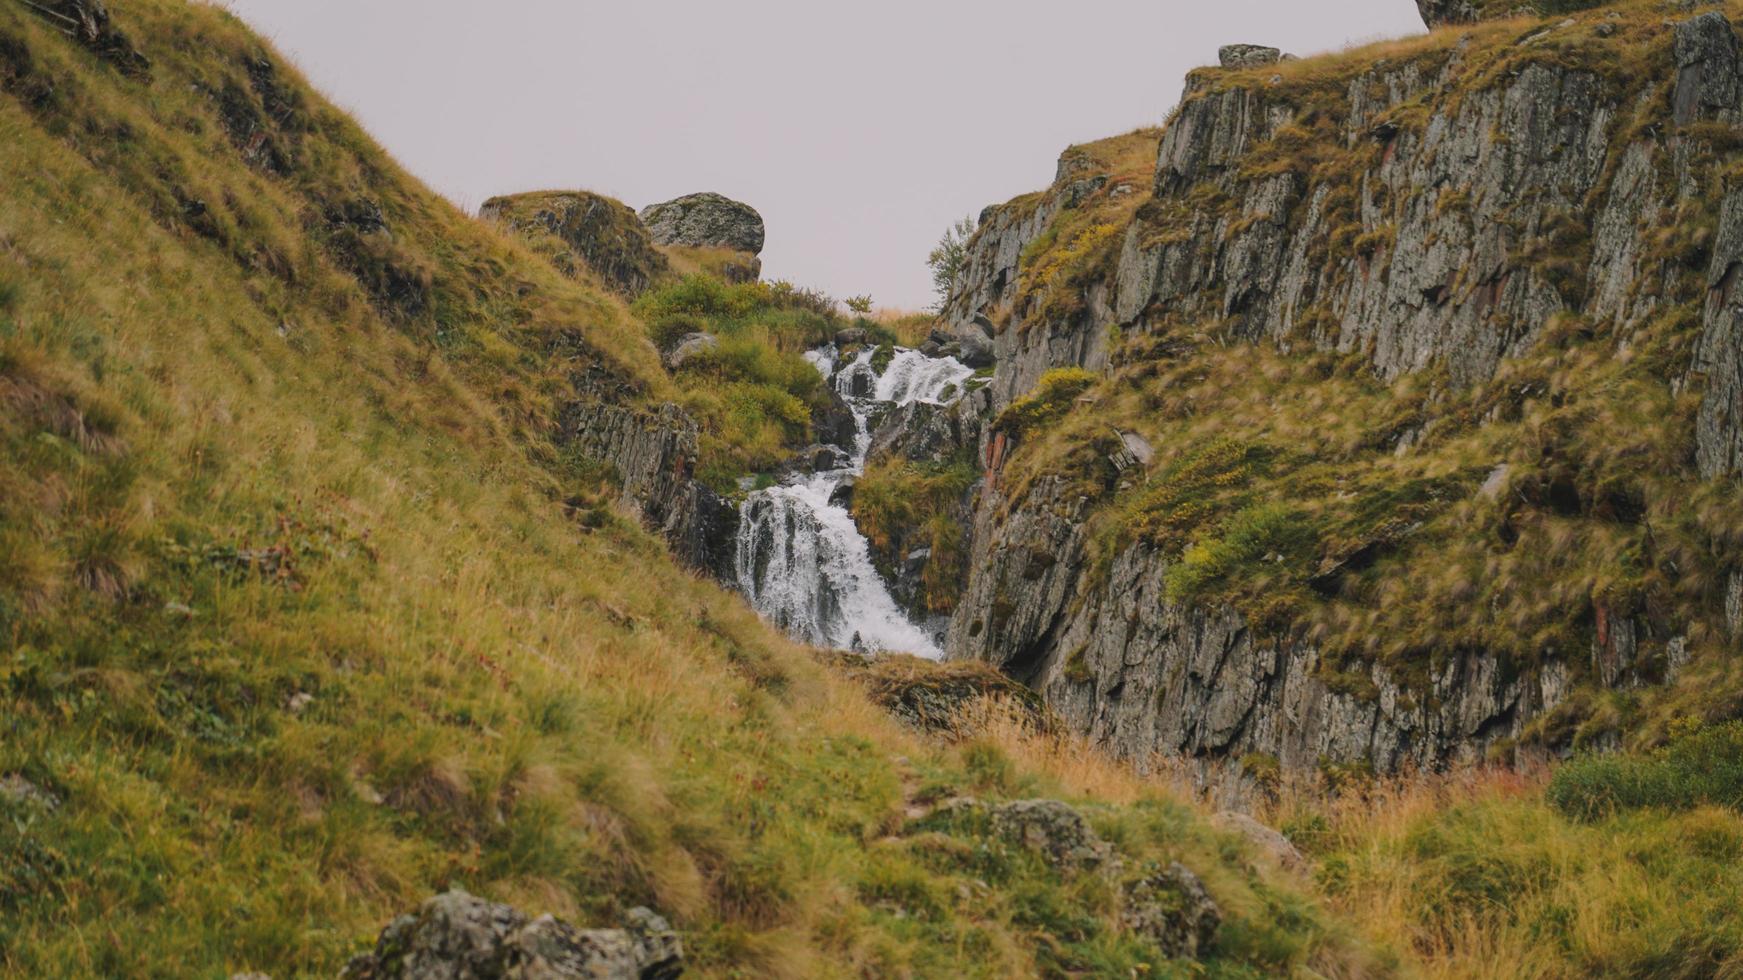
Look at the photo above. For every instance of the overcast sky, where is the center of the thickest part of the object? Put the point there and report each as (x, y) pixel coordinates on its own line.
(858, 129)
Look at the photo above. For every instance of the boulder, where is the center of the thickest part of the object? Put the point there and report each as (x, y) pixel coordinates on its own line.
(1172, 909)
(456, 936)
(1272, 843)
(578, 229)
(1248, 55)
(689, 348)
(1440, 13)
(1054, 829)
(706, 221)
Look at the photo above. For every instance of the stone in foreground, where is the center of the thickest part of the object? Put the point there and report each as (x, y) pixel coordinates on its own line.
(706, 221)
(456, 936)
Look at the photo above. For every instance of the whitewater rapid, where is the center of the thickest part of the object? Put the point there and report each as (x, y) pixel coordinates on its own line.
(801, 560)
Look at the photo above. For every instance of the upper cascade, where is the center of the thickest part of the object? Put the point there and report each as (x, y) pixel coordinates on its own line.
(1439, 13)
(706, 220)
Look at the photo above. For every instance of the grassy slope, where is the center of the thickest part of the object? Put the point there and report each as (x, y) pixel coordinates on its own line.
(303, 617)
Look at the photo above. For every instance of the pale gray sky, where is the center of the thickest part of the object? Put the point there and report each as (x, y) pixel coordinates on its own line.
(859, 130)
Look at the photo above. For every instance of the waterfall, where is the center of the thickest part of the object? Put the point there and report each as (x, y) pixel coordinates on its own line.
(800, 559)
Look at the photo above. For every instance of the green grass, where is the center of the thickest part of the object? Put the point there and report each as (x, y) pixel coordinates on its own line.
(1702, 768)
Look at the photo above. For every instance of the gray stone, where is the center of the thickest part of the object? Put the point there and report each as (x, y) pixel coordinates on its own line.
(15, 789)
(591, 231)
(456, 936)
(1272, 844)
(706, 221)
(1708, 79)
(1054, 829)
(690, 347)
(1248, 56)
(1172, 909)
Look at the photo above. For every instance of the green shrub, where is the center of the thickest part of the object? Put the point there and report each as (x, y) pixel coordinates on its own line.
(1703, 768)
(1251, 535)
(1052, 398)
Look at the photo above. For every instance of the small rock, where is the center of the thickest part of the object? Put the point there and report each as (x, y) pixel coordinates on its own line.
(850, 336)
(1172, 910)
(1275, 845)
(1496, 482)
(16, 789)
(688, 349)
(1248, 55)
(299, 702)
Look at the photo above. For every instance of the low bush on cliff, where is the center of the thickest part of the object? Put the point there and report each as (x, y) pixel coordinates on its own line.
(1052, 398)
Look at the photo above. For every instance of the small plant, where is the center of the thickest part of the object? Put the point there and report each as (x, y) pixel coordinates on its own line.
(947, 260)
(861, 305)
(1052, 398)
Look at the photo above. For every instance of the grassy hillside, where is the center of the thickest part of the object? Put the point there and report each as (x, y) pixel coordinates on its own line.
(304, 616)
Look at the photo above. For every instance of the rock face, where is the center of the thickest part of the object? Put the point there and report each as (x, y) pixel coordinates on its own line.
(706, 221)
(653, 454)
(579, 230)
(1463, 214)
(458, 937)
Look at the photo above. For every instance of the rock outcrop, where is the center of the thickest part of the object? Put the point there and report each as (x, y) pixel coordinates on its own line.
(579, 230)
(1430, 218)
(652, 452)
(1166, 906)
(706, 221)
(456, 936)
(88, 22)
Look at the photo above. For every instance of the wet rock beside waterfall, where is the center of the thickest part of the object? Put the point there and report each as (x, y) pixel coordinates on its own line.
(833, 420)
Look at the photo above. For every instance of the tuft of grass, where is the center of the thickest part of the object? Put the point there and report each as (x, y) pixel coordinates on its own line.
(1699, 769)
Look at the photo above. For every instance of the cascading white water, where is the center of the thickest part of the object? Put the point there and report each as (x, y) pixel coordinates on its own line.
(801, 560)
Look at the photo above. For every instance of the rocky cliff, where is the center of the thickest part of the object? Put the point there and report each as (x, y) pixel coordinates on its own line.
(1452, 494)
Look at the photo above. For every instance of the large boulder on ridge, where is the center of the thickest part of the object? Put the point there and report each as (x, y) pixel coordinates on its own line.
(580, 229)
(706, 221)
(1439, 13)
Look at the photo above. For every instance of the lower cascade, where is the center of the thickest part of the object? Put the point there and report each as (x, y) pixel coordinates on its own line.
(801, 560)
